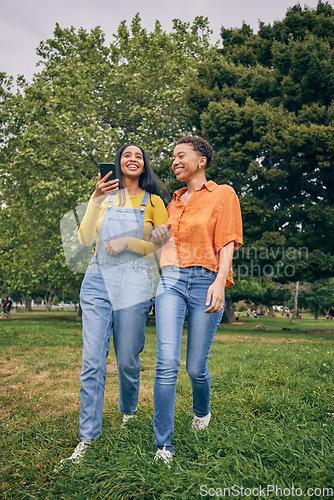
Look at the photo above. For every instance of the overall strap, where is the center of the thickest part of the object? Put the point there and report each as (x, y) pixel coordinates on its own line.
(111, 198)
(145, 199)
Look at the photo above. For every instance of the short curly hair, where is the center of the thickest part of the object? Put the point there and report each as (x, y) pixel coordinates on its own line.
(199, 144)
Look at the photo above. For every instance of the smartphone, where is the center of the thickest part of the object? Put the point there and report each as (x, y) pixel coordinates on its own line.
(105, 168)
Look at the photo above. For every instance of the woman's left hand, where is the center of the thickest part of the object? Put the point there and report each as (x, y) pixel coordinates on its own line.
(114, 247)
(215, 295)
(161, 234)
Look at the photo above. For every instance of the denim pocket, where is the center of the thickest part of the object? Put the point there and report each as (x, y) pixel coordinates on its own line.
(167, 269)
(209, 274)
(150, 280)
(92, 266)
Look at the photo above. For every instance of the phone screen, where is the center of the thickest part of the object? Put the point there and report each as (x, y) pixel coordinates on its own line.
(105, 168)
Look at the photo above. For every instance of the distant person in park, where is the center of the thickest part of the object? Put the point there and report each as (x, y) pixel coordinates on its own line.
(116, 293)
(203, 230)
(6, 307)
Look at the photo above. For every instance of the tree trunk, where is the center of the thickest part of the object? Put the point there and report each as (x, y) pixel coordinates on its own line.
(48, 299)
(271, 312)
(295, 307)
(228, 312)
(28, 305)
(79, 313)
(316, 311)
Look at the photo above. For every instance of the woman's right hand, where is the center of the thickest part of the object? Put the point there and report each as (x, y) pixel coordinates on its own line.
(104, 187)
(161, 234)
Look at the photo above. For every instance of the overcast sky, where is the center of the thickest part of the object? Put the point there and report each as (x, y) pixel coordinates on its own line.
(25, 23)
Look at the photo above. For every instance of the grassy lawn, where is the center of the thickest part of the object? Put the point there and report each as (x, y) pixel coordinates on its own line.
(272, 416)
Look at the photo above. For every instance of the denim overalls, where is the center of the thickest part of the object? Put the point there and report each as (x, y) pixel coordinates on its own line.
(115, 297)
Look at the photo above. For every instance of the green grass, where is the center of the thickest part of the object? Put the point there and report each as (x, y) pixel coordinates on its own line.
(272, 416)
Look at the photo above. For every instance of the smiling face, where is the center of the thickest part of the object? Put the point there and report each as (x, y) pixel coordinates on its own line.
(187, 163)
(132, 162)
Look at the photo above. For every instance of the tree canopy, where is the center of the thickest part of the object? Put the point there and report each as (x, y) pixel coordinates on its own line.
(87, 100)
(266, 105)
(264, 101)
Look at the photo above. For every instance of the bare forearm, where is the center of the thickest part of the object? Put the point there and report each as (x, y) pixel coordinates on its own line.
(225, 261)
(216, 291)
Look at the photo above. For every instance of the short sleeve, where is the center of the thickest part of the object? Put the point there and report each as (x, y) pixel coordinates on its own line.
(229, 223)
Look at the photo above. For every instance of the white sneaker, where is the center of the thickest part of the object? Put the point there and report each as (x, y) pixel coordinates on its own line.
(126, 418)
(76, 456)
(200, 423)
(165, 455)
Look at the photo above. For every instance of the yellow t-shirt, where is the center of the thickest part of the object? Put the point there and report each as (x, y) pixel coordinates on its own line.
(155, 215)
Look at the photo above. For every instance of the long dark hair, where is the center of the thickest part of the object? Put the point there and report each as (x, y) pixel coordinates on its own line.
(147, 181)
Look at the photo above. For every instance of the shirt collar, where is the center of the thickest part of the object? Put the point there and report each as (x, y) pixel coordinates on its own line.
(209, 185)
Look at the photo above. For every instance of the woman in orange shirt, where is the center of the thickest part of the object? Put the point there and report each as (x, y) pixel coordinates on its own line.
(203, 230)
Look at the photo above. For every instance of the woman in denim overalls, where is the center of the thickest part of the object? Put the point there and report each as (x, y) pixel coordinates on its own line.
(116, 293)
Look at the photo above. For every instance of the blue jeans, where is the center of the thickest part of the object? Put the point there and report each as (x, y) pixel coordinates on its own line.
(181, 290)
(100, 320)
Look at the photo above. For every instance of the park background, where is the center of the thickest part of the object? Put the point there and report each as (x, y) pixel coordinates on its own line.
(264, 99)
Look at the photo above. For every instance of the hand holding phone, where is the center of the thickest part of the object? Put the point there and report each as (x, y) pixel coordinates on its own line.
(105, 168)
(108, 185)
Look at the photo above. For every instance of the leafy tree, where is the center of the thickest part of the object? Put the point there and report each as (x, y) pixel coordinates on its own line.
(87, 100)
(265, 104)
(319, 296)
(255, 290)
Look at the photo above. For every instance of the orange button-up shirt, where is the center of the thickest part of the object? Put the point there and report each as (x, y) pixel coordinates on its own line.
(200, 228)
